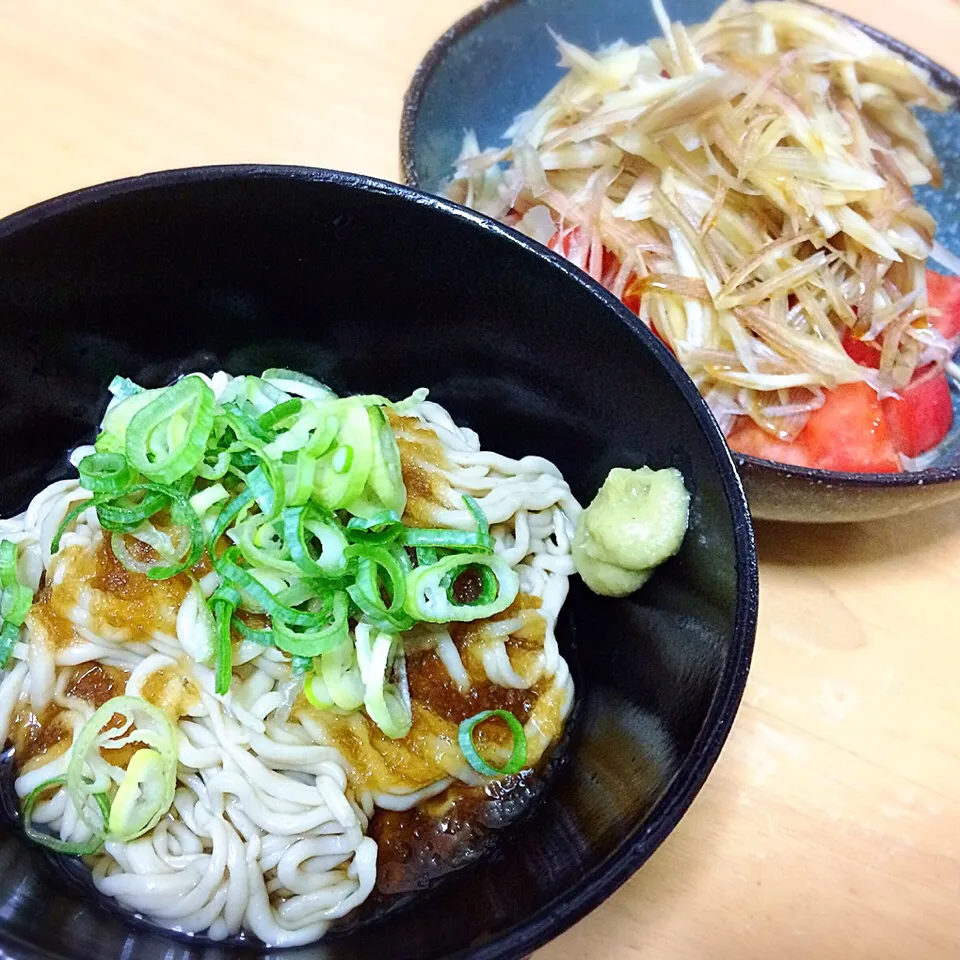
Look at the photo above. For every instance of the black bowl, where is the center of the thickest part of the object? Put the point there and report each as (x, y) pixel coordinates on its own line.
(373, 287)
(500, 59)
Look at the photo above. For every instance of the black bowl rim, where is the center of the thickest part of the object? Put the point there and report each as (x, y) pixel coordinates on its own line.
(619, 866)
(944, 78)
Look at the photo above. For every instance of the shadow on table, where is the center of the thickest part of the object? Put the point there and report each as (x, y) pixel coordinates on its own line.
(842, 543)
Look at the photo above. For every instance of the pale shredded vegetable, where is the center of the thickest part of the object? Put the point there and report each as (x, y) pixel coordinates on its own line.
(753, 177)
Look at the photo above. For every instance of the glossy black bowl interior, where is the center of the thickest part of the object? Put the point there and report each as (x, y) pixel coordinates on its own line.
(372, 287)
(500, 59)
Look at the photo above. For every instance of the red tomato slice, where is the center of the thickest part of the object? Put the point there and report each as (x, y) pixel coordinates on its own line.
(922, 415)
(860, 351)
(944, 294)
(849, 432)
(748, 438)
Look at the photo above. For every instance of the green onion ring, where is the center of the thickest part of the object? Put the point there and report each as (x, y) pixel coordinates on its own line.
(245, 581)
(218, 469)
(108, 473)
(145, 724)
(300, 521)
(91, 846)
(182, 514)
(311, 642)
(381, 527)
(120, 516)
(192, 401)
(429, 589)
(365, 591)
(518, 755)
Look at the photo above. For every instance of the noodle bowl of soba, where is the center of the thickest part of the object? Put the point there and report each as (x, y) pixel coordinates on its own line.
(283, 648)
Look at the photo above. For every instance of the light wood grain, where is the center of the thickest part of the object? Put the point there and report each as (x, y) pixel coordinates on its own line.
(830, 828)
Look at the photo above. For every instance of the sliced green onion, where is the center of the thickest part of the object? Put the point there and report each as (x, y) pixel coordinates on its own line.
(299, 383)
(89, 772)
(8, 564)
(166, 439)
(385, 486)
(15, 603)
(261, 546)
(228, 514)
(483, 527)
(254, 392)
(141, 798)
(204, 500)
(342, 472)
(368, 588)
(446, 539)
(72, 515)
(300, 665)
(316, 692)
(182, 514)
(312, 641)
(123, 514)
(426, 556)
(108, 473)
(85, 849)
(223, 611)
(518, 754)
(247, 582)
(246, 427)
(263, 638)
(323, 436)
(117, 419)
(341, 677)
(269, 487)
(304, 524)
(9, 635)
(216, 470)
(380, 527)
(279, 413)
(118, 545)
(387, 704)
(121, 388)
(300, 479)
(430, 590)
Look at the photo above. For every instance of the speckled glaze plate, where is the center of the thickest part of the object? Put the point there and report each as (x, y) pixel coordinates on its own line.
(500, 59)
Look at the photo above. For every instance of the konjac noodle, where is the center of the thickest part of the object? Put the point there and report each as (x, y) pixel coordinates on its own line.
(261, 614)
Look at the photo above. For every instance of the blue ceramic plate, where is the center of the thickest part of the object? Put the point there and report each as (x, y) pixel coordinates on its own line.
(500, 59)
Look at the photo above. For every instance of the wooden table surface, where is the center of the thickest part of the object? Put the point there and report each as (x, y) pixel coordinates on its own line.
(830, 828)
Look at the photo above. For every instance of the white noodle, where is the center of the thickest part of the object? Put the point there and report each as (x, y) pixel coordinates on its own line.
(267, 833)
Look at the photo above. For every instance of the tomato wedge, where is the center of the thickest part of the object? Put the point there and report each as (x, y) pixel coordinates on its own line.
(748, 438)
(922, 415)
(865, 353)
(944, 294)
(849, 433)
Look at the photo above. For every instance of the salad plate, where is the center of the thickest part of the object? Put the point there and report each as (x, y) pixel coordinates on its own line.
(501, 59)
